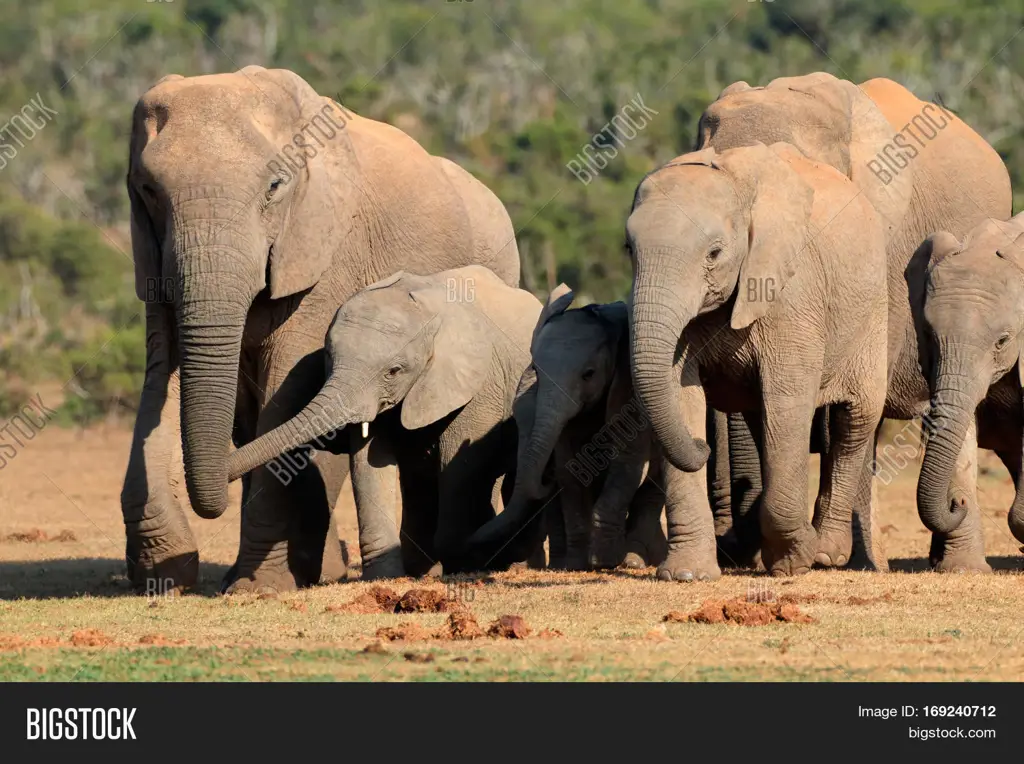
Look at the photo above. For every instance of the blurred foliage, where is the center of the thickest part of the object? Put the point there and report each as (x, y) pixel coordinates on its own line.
(512, 90)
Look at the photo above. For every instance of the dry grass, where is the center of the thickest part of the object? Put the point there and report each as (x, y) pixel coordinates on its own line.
(66, 611)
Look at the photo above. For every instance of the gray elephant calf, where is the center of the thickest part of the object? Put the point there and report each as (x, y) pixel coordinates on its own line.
(433, 362)
(968, 303)
(576, 410)
(759, 286)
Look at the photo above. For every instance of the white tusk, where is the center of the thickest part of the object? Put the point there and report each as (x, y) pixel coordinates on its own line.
(366, 429)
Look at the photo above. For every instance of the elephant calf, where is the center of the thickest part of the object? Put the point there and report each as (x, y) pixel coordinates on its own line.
(425, 369)
(576, 411)
(967, 299)
(759, 286)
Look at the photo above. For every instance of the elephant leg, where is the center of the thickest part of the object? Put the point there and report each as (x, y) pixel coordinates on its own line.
(285, 522)
(609, 521)
(374, 471)
(474, 455)
(963, 549)
(719, 480)
(420, 510)
(868, 547)
(739, 547)
(845, 476)
(160, 551)
(790, 541)
(692, 552)
(645, 540)
(577, 517)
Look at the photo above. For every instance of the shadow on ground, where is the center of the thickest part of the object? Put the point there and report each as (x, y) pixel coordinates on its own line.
(76, 577)
(920, 564)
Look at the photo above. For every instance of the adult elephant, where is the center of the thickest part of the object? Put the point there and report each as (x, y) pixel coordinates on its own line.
(258, 207)
(923, 170)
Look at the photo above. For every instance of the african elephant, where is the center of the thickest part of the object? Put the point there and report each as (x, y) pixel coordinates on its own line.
(923, 170)
(968, 302)
(759, 284)
(428, 366)
(258, 207)
(576, 413)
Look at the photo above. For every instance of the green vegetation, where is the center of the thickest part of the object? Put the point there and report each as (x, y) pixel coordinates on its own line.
(511, 90)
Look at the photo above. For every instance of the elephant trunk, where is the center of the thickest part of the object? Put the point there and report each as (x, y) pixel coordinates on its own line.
(216, 283)
(952, 408)
(656, 327)
(549, 421)
(320, 416)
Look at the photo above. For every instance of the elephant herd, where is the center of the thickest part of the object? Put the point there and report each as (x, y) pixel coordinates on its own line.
(348, 297)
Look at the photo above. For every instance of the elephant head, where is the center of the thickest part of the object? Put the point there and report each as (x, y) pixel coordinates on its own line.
(829, 120)
(578, 357)
(220, 213)
(707, 230)
(399, 341)
(968, 303)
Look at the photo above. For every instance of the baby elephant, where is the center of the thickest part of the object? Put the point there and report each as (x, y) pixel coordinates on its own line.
(576, 411)
(968, 303)
(432, 363)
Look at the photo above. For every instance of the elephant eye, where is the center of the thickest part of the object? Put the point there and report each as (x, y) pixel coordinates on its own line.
(714, 253)
(393, 372)
(275, 184)
(1001, 342)
(588, 375)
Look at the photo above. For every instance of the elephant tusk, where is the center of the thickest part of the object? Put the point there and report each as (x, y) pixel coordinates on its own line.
(366, 429)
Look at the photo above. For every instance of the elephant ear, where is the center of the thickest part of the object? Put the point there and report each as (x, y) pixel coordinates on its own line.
(932, 251)
(558, 302)
(871, 134)
(145, 242)
(307, 238)
(459, 367)
(620, 391)
(779, 214)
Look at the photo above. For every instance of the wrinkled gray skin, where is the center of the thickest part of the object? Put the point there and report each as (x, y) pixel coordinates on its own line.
(576, 414)
(807, 328)
(950, 181)
(968, 300)
(432, 364)
(243, 264)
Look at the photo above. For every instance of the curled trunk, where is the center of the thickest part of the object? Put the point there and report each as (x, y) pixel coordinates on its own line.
(951, 412)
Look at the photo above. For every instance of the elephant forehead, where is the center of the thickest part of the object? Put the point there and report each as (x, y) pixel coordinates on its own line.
(206, 123)
(575, 333)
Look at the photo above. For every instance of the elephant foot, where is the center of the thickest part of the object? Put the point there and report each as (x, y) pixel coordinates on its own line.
(169, 574)
(689, 564)
(607, 552)
(651, 547)
(633, 561)
(261, 582)
(961, 552)
(576, 562)
(834, 548)
(734, 553)
(792, 555)
(967, 563)
(387, 564)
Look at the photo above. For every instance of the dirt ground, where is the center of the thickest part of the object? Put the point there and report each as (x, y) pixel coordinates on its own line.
(67, 612)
